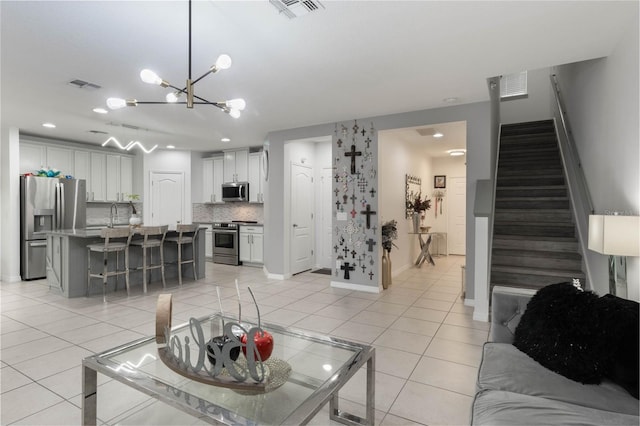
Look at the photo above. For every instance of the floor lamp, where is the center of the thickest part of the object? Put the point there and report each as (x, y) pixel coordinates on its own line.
(619, 237)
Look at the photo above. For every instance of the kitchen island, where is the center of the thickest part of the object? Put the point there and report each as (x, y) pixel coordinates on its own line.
(66, 262)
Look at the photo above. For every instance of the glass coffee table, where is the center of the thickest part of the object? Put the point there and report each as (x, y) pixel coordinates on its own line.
(320, 367)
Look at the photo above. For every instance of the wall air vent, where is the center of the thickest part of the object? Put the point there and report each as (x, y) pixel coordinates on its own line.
(513, 86)
(295, 8)
(81, 84)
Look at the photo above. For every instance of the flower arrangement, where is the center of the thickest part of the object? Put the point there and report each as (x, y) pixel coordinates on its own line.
(131, 198)
(389, 233)
(418, 204)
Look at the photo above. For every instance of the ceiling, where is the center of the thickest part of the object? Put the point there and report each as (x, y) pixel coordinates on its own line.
(350, 60)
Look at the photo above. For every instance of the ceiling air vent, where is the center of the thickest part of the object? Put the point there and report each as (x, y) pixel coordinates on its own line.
(426, 131)
(98, 132)
(295, 8)
(81, 84)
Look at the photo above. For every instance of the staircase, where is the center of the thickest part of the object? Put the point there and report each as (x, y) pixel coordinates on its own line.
(534, 236)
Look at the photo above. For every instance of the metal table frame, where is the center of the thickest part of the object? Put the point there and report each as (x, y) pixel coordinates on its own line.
(326, 391)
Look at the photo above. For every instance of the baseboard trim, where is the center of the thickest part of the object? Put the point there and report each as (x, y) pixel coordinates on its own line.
(355, 287)
(469, 302)
(11, 278)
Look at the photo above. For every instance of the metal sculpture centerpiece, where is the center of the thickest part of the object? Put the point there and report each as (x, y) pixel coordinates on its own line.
(217, 360)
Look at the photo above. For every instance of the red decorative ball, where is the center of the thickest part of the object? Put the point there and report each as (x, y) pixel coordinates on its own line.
(264, 344)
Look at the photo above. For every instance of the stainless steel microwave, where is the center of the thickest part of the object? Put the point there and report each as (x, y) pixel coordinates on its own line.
(235, 191)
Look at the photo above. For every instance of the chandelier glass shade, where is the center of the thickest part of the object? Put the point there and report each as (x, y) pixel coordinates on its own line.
(232, 107)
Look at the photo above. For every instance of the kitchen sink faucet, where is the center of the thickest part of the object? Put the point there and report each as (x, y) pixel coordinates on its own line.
(111, 214)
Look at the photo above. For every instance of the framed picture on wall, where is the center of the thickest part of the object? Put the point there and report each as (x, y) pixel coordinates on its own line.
(439, 181)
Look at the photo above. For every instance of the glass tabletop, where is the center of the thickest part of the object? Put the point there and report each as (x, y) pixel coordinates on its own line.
(320, 365)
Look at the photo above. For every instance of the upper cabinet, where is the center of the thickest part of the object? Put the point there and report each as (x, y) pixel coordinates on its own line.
(61, 159)
(236, 165)
(213, 178)
(256, 178)
(118, 177)
(32, 157)
(98, 188)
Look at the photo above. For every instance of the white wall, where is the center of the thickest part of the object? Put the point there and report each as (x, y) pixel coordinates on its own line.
(450, 167)
(479, 154)
(322, 160)
(601, 99)
(168, 161)
(9, 204)
(397, 159)
(536, 106)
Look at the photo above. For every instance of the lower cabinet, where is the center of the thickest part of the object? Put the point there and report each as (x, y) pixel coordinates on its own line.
(208, 242)
(55, 262)
(251, 242)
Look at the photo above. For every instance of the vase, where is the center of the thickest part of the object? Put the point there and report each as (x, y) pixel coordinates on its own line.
(135, 220)
(386, 269)
(416, 222)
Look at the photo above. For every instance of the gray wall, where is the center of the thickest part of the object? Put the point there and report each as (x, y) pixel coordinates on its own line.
(478, 118)
(601, 98)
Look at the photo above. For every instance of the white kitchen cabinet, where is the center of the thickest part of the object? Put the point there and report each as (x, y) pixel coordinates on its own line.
(82, 166)
(61, 159)
(236, 165)
(126, 177)
(208, 242)
(251, 244)
(212, 179)
(118, 177)
(32, 157)
(256, 178)
(98, 188)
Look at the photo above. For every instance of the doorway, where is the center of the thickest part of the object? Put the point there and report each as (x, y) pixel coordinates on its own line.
(302, 195)
(457, 216)
(167, 198)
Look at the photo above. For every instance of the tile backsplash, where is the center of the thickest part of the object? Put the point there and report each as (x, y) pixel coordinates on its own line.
(98, 213)
(228, 212)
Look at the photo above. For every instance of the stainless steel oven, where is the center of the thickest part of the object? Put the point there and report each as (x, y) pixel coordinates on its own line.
(226, 247)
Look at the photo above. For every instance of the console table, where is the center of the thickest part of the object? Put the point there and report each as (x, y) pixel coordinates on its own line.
(425, 246)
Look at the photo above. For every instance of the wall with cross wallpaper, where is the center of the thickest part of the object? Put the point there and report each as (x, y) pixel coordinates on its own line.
(355, 205)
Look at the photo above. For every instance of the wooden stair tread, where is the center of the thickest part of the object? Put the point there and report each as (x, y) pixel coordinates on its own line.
(538, 271)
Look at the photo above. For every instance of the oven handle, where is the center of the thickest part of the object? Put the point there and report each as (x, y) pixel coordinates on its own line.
(216, 231)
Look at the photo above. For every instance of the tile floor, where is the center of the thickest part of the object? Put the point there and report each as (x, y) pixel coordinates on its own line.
(427, 345)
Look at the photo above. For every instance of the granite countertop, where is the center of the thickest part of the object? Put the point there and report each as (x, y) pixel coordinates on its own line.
(79, 233)
(91, 232)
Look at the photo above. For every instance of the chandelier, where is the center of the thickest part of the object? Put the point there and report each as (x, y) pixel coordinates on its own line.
(231, 107)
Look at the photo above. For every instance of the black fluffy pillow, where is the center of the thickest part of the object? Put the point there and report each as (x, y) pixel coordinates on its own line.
(558, 330)
(620, 329)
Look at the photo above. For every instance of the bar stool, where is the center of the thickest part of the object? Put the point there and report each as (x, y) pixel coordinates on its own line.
(152, 237)
(123, 238)
(186, 235)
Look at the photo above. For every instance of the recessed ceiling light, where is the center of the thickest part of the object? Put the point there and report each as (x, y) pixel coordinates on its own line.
(49, 125)
(225, 140)
(450, 100)
(171, 147)
(100, 110)
(456, 152)
(437, 135)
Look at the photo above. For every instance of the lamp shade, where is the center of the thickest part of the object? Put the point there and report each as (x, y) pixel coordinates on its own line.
(614, 235)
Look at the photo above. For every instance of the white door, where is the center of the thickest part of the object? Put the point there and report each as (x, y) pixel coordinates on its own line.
(326, 212)
(301, 218)
(167, 198)
(457, 215)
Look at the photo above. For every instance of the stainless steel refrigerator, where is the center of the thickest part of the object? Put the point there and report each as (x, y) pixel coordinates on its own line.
(47, 204)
